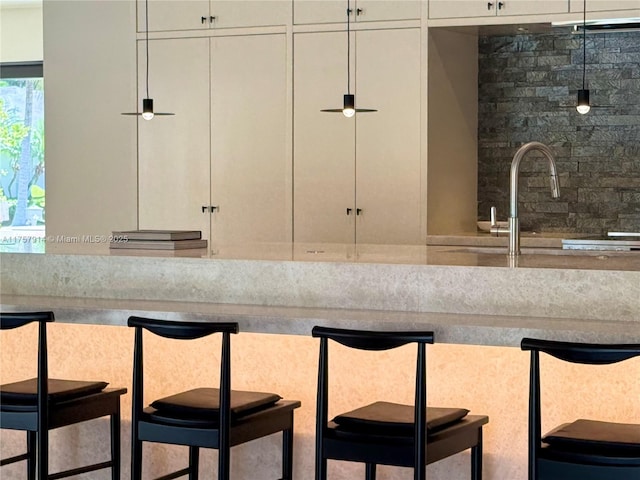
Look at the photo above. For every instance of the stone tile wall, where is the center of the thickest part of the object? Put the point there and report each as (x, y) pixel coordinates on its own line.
(527, 91)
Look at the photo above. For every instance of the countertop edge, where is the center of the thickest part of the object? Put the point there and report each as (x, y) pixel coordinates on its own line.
(453, 328)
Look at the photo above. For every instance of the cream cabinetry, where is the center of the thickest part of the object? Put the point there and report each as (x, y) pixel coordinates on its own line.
(219, 165)
(358, 179)
(491, 8)
(604, 5)
(168, 15)
(334, 11)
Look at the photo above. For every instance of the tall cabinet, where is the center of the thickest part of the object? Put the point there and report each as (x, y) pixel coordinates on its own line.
(221, 164)
(358, 179)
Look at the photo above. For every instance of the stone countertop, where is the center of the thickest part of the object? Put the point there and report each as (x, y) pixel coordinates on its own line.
(427, 279)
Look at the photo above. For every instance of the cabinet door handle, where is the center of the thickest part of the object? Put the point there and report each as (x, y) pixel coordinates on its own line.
(358, 211)
(500, 5)
(349, 11)
(212, 18)
(203, 20)
(349, 211)
(210, 208)
(359, 11)
(205, 208)
(489, 5)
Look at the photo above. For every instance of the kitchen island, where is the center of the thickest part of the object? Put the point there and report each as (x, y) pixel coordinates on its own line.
(475, 302)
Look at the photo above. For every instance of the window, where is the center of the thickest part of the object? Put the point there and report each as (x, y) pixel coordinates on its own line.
(22, 187)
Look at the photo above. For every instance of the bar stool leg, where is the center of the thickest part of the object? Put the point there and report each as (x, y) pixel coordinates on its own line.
(31, 459)
(287, 453)
(194, 463)
(371, 471)
(476, 459)
(136, 458)
(43, 454)
(115, 445)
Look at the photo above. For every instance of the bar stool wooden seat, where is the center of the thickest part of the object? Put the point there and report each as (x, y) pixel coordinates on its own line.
(41, 404)
(386, 433)
(585, 449)
(217, 418)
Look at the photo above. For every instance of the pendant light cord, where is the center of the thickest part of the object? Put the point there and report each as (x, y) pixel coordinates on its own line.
(146, 28)
(348, 47)
(584, 43)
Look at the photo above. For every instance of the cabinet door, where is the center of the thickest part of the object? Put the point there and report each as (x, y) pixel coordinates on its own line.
(605, 5)
(320, 11)
(489, 8)
(324, 143)
(167, 15)
(532, 7)
(332, 11)
(388, 166)
(250, 166)
(461, 8)
(173, 151)
(250, 13)
(382, 10)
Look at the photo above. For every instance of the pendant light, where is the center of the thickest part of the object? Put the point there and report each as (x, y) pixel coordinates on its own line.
(147, 102)
(349, 100)
(584, 106)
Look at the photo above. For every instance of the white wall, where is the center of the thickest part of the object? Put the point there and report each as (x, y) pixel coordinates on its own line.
(20, 31)
(89, 70)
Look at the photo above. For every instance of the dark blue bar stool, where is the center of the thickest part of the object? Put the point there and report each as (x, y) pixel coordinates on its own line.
(385, 433)
(217, 418)
(584, 449)
(41, 404)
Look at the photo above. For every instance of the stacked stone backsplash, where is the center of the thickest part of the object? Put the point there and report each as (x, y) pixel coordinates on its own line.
(527, 92)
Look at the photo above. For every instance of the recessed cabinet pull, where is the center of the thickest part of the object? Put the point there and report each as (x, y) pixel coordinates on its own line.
(489, 5)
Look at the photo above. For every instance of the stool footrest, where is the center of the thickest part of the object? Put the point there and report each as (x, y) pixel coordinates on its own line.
(177, 474)
(17, 458)
(78, 471)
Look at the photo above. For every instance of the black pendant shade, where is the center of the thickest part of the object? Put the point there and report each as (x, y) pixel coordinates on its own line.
(147, 103)
(349, 100)
(348, 109)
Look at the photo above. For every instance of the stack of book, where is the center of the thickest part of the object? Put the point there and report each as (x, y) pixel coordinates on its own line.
(157, 239)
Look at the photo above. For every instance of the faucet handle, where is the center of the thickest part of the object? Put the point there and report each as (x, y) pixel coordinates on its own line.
(494, 222)
(496, 229)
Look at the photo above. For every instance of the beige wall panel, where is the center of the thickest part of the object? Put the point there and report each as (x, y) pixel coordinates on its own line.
(89, 69)
(453, 132)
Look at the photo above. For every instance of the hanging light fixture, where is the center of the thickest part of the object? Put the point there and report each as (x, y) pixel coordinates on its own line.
(584, 106)
(349, 100)
(147, 102)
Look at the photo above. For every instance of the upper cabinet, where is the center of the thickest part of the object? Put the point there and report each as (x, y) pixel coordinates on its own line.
(167, 15)
(492, 8)
(605, 5)
(358, 179)
(333, 11)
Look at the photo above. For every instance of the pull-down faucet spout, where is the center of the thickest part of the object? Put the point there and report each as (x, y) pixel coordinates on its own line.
(514, 224)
